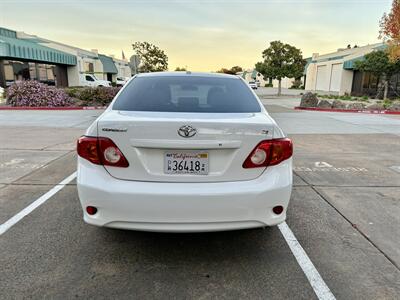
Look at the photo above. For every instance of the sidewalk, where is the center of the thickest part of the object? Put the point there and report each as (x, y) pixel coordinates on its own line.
(288, 102)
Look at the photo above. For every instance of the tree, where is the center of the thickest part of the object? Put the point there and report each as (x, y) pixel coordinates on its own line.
(379, 64)
(231, 71)
(281, 60)
(178, 69)
(152, 58)
(390, 30)
(236, 69)
(225, 71)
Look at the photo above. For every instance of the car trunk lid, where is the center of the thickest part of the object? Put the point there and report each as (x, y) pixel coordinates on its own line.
(224, 140)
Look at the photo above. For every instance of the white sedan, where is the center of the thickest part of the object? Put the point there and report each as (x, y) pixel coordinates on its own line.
(184, 152)
(253, 85)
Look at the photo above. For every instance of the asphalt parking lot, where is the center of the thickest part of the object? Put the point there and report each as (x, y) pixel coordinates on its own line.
(344, 212)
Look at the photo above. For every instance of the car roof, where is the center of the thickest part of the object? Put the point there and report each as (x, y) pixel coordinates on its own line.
(188, 74)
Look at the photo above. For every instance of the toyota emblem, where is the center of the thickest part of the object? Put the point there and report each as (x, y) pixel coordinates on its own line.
(187, 131)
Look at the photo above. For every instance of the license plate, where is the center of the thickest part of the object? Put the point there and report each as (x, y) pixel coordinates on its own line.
(186, 163)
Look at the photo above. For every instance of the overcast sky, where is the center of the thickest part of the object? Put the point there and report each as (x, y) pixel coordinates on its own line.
(203, 35)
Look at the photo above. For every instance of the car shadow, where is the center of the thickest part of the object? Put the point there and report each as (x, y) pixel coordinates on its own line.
(198, 247)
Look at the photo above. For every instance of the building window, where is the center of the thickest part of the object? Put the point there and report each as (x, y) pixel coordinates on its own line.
(17, 71)
(50, 72)
(89, 68)
(370, 81)
(8, 72)
(32, 71)
(42, 72)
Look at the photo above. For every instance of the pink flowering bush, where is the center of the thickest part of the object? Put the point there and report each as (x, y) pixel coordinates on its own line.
(34, 93)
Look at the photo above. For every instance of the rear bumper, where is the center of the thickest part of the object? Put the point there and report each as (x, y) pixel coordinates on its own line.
(184, 207)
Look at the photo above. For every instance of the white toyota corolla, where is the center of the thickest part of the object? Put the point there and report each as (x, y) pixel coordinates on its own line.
(184, 152)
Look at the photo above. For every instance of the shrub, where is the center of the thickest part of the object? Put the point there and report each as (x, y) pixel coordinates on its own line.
(269, 85)
(387, 103)
(345, 97)
(96, 95)
(296, 84)
(329, 96)
(34, 93)
(72, 91)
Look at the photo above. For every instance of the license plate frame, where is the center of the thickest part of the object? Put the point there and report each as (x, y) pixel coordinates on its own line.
(184, 162)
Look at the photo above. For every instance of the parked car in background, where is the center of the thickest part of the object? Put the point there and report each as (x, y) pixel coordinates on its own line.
(121, 81)
(184, 152)
(253, 85)
(92, 80)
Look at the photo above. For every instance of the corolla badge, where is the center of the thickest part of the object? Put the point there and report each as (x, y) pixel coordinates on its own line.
(187, 131)
(119, 129)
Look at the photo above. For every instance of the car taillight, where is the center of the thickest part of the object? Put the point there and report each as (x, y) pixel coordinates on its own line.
(269, 153)
(101, 151)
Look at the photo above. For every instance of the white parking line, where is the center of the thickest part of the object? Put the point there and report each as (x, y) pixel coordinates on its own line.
(27, 210)
(317, 283)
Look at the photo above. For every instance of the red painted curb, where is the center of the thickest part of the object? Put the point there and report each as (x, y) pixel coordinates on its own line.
(382, 112)
(52, 108)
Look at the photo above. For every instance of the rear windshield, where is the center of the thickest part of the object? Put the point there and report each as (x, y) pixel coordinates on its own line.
(187, 94)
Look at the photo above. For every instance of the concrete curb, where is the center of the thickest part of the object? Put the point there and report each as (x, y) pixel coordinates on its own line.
(53, 108)
(382, 112)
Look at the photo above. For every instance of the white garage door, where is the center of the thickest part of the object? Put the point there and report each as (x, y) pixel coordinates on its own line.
(322, 79)
(336, 76)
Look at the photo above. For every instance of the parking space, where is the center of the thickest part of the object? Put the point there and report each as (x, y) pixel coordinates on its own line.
(64, 258)
(344, 212)
(30, 140)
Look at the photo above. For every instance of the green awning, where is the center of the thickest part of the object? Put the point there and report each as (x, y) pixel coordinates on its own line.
(108, 64)
(349, 64)
(308, 62)
(14, 48)
(8, 33)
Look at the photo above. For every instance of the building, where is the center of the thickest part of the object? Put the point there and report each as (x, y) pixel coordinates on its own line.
(334, 73)
(24, 56)
(286, 83)
(123, 68)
